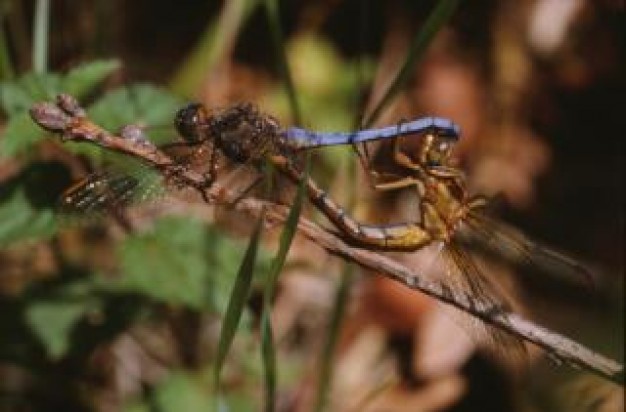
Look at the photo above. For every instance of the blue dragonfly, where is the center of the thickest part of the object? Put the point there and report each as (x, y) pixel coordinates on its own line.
(244, 136)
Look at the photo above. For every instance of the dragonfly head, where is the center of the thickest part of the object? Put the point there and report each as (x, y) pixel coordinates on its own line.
(436, 150)
(189, 122)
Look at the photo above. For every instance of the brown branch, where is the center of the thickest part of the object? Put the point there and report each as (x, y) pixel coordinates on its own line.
(67, 118)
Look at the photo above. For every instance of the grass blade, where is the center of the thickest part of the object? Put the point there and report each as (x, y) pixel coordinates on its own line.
(238, 299)
(339, 309)
(215, 44)
(268, 352)
(437, 19)
(40, 36)
(271, 6)
(6, 67)
(268, 355)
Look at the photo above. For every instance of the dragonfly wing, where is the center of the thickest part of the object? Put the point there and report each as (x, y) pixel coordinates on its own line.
(465, 280)
(128, 181)
(109, 191)
(468, 282)
(238, 183)
(513, 246)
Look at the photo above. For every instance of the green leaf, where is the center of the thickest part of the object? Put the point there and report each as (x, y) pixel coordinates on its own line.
(14, 98)
(168, 263)
(17, 97)
(20, 134)
(51, 318)
(141, 104)
(20, 221)
(181, 261)
(82, 79)
(52, 321)
(238, 299)
(27, 202)
(182, 393)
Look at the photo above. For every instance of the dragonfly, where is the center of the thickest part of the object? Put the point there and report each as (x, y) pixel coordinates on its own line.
(448, 214)
(246, 136)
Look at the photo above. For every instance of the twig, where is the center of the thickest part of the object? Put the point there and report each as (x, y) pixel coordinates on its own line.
(69, 119)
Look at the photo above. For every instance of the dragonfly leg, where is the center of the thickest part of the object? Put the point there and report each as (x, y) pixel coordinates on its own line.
(209, 176)
(477, 202)
(246, 191)
(375, 179)
(373, 175)
(364, 157)
(213, 168)
(400, 183)
(401, 159)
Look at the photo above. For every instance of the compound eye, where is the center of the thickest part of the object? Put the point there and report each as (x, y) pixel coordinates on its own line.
(189, 120)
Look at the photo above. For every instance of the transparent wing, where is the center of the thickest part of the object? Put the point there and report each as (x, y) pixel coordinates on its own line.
(469, 279)
(463, 278)
(109, 191)
(126, 181)
(514, 247)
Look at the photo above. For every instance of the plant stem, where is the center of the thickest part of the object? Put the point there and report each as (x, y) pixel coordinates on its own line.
(40, 36)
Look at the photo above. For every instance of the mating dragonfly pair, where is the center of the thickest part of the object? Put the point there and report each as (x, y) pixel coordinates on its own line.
(449, 217)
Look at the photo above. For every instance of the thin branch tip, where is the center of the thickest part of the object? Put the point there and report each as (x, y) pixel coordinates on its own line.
(50, 117)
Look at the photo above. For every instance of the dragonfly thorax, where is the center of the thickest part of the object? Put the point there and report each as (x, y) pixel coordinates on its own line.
(245, 135)
(241, 132)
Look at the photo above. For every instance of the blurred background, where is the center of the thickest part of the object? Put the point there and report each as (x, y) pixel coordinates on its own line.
(99, 315)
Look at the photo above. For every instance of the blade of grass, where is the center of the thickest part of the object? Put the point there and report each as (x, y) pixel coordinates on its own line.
(268, 352)
(6, 66)
(271, 6)
(338, 310)
(337, 314)
(17, 31)
(363, 26)
(40, 36)
(217, 42)
(237, 301)
(268, 355)
(436, 20)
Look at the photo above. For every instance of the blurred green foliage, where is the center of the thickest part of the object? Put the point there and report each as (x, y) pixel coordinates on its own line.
(178, 264)
(17, 96)
(23, 213)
